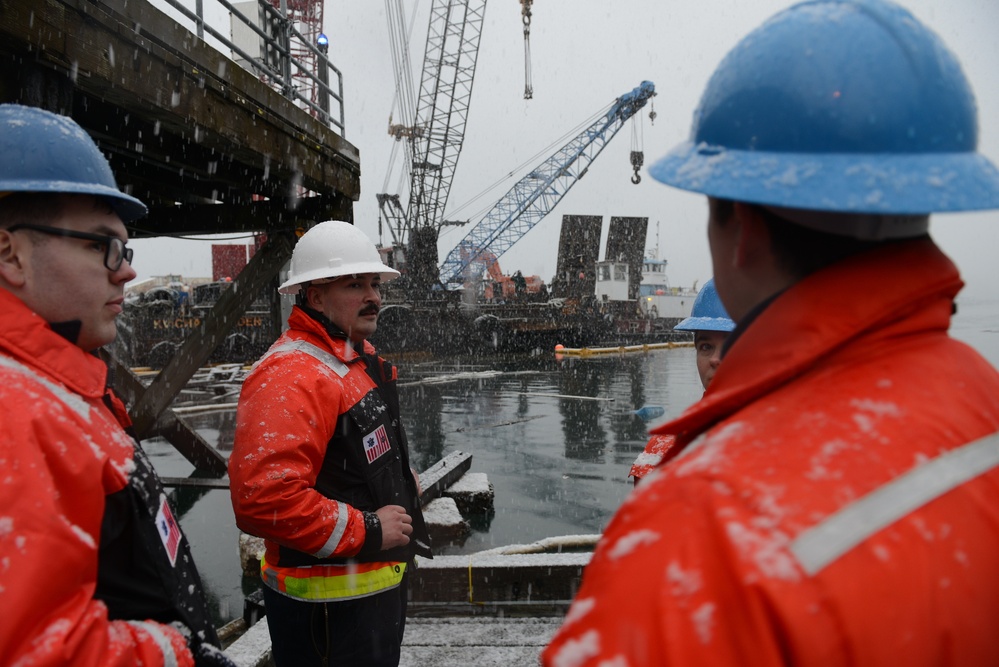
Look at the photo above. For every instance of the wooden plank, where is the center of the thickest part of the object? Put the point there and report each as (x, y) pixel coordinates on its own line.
(253, 649)
(482, 631)
(435, 479)
(484, 579)
(186, 440)
(483, 642)
(196, 482)
(191, 445)
(463, 656)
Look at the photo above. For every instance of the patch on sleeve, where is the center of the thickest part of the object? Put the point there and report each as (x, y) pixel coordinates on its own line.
(376, 443)
(169, 530)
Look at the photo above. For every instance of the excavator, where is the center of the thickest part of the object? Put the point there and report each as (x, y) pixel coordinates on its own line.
(493, 286)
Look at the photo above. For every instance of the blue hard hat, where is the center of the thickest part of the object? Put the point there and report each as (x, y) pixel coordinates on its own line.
(847, 106)
(44, 152)
(707, 313)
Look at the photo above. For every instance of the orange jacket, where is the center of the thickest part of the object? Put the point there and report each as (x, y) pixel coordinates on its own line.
(61, 452)
(660, 448)
(828, 509)
(301, 472)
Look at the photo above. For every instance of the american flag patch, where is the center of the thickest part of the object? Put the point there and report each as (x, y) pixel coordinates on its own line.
(376, 443)
(169, 530)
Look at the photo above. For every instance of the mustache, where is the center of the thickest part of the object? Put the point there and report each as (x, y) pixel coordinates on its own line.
(370, 310)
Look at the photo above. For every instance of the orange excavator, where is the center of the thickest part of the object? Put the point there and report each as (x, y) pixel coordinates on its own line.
(496, 286)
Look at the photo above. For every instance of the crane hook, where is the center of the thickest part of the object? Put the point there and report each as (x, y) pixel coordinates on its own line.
(637, 160)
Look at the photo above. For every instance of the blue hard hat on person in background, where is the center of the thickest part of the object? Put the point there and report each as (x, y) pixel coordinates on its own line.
(844, 106)
(44, 152)
(707, 313)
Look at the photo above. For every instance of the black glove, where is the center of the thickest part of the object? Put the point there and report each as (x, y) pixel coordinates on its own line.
(205, 655)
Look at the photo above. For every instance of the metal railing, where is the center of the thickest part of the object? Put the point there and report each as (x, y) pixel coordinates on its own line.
(277, 63)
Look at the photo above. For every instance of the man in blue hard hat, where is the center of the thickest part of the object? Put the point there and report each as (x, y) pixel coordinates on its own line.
(836, 499)
(95, 569)
(711, 326)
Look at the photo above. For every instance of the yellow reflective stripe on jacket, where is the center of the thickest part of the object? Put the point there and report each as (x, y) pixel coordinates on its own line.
(322, 583)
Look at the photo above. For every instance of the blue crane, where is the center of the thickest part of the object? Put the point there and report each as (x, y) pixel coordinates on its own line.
(537, 193)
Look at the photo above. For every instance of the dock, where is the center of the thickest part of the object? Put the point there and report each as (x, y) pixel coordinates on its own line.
(438, 642)
(483, 642)
(494, 608)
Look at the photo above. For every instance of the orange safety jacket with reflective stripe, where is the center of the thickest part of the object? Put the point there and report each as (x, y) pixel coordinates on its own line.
(61, 453)
(316, 447)
(837, 502)
(660, 448)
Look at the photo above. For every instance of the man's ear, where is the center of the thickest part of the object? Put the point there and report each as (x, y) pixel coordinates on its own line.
(312, 299)
(11, 260)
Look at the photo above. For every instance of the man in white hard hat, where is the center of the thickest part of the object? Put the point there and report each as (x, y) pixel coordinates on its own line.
(320, 465)
(94, 568)
(836, 499)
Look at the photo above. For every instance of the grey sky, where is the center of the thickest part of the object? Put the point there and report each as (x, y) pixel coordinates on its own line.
(584, 54)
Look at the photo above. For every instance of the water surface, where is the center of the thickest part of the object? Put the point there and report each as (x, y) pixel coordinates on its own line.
(555, 438)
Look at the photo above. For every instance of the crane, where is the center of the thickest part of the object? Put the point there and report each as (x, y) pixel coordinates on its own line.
(537, 193)
(436, 135)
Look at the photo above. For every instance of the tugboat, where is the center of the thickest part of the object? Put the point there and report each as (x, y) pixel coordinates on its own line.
(655, 309)
(656, 298)
(157, 320)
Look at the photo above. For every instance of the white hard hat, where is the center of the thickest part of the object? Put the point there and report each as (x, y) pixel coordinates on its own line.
(331, 249)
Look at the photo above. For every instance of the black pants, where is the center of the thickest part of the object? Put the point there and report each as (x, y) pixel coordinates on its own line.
(366, 632)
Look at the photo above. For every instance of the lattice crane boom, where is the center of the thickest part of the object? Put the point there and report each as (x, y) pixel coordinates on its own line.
(442, 111)
(537, 193)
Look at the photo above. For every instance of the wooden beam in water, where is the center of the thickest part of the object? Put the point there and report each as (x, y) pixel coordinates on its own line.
(185, 439)
(190, 444)
(438, 477)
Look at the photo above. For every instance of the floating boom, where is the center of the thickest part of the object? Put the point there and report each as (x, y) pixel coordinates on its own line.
(537, 193)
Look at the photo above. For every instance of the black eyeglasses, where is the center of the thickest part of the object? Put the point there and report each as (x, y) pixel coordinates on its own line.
(115, 251)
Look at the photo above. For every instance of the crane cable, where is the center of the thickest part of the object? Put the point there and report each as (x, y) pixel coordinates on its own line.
(638, 140)
(525, 14)
(399, 39)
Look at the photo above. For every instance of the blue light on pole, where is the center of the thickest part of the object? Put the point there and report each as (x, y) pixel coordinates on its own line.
(323, 42)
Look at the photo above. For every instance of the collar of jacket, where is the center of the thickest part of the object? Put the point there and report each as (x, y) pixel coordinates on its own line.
(745, 322)
(30, 340)
(312, 321)
(897, 289)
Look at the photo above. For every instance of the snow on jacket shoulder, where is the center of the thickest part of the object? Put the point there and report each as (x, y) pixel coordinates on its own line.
(61, 452)
(288, 411)
(837, 503)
